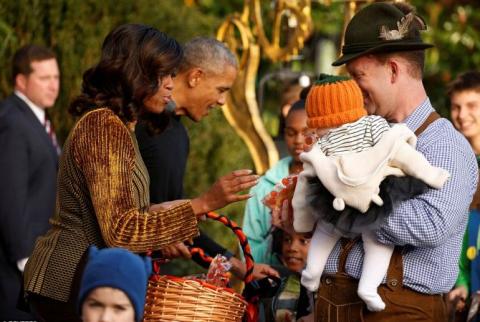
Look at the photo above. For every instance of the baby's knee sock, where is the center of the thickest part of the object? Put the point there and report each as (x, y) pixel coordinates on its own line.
(375, 266)
(321, 246)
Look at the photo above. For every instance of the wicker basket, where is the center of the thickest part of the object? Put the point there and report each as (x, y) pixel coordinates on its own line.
(171, 298)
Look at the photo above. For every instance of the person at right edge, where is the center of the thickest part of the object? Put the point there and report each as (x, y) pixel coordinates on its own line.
(464, 96)
(384, 54)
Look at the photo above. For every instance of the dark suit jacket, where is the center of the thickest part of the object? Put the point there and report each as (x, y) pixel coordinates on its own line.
(28, 170)
(165, 156)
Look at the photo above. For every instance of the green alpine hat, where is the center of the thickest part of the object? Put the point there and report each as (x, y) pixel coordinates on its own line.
(381, 27)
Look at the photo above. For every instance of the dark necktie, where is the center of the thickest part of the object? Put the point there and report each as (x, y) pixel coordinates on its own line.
(51, 133)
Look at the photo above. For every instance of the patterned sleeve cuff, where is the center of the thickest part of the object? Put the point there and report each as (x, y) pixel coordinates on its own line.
(180, 224)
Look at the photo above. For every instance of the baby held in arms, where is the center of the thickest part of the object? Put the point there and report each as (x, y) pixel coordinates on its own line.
(355, 173)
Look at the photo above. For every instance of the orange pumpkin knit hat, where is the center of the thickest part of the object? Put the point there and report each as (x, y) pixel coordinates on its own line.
(334, 101)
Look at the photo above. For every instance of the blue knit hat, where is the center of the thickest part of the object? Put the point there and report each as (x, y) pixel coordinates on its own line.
(117, 268)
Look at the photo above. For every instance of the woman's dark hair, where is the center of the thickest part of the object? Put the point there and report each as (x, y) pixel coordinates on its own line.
(290, 94)
(304, 92)
(297, 106)
(134, 59)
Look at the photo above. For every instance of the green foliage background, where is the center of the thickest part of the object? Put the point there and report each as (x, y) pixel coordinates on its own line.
(75, 30)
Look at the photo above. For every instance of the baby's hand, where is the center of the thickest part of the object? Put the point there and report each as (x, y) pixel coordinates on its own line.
(309, 141)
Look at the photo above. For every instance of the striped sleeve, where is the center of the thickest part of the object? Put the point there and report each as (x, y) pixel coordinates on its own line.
(378, 127)
(354, 137)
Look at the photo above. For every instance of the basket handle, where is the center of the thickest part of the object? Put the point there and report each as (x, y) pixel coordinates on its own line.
(243, 244)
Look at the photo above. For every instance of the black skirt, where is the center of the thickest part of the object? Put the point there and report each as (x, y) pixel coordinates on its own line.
(350, 222)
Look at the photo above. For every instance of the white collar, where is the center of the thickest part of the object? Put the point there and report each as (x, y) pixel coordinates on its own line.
(38, 111)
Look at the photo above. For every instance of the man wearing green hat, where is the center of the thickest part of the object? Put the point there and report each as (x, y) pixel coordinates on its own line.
(384, 53)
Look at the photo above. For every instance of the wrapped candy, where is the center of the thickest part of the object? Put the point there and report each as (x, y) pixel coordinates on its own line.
(218, 272)
(279, 200)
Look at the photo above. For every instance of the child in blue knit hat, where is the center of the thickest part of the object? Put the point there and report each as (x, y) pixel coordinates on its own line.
(114, 285)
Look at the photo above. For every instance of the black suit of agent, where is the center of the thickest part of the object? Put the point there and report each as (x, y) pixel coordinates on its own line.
(28, 171)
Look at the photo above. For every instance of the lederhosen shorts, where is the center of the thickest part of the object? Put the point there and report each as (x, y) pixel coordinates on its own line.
(337, 299)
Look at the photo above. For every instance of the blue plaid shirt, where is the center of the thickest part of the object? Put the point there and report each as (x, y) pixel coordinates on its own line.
(431, 225)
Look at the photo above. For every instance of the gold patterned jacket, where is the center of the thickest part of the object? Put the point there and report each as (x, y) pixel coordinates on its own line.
(102, 200)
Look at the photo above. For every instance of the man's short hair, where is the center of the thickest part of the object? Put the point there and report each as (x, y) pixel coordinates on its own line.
(415, 60)
(24, 57)
(207, 53)
(468, 81)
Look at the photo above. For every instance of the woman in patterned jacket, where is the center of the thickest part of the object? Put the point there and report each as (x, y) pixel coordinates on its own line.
(103, 185)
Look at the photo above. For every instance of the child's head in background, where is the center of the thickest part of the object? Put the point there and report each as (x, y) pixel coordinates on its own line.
(295, 128)
(291, 248)
(114, 286)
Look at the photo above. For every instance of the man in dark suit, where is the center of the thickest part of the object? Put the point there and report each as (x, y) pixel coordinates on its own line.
(28, 168)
